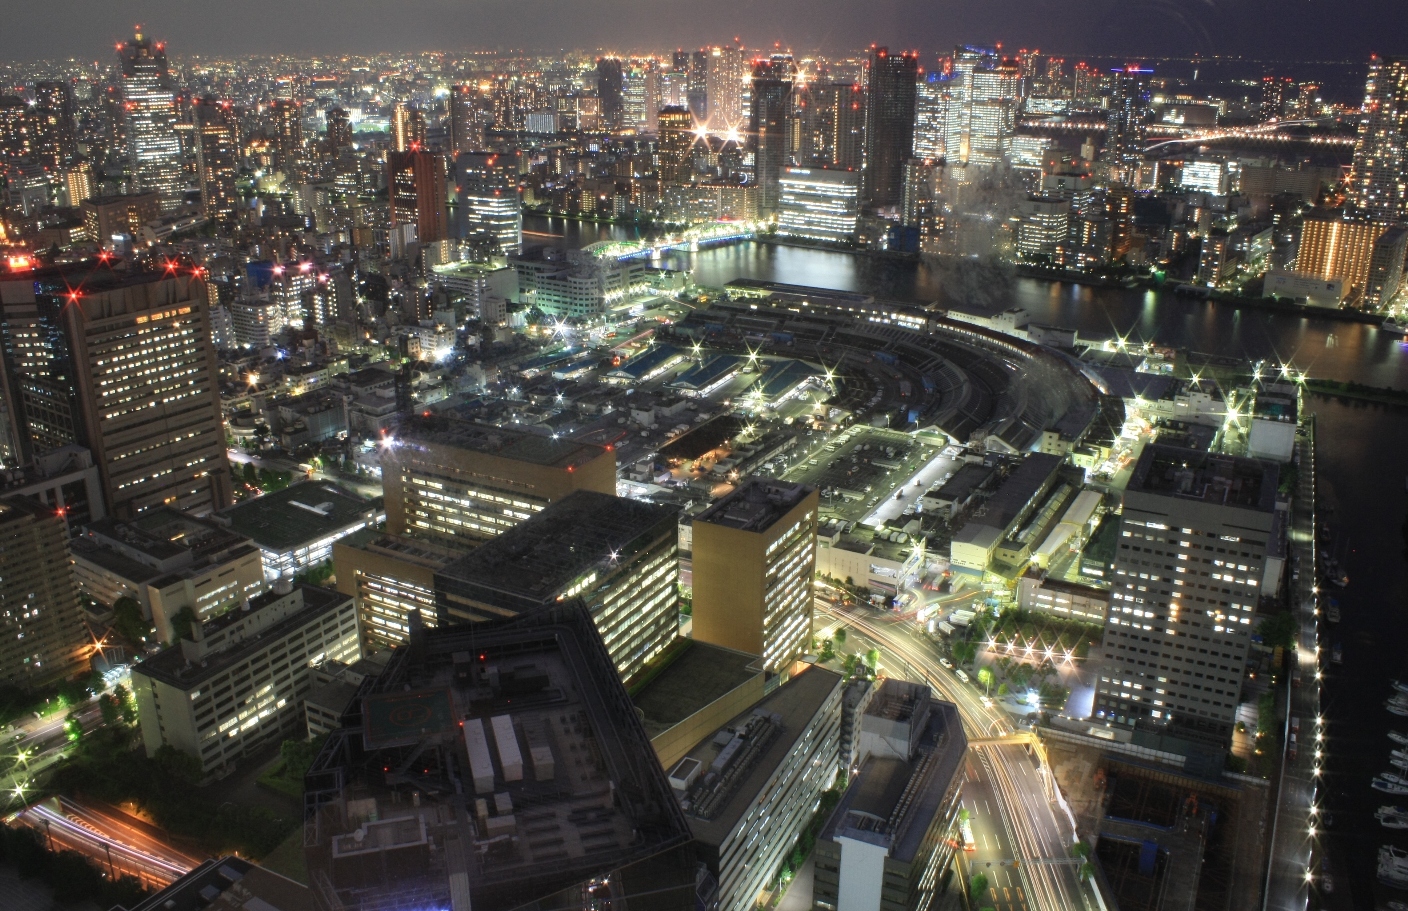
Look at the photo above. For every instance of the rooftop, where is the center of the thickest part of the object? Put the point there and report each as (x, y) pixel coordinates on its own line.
(692, 681)
(536, 559)
(230, 884)
(172, 667)
(297, 514)
(164, 537)
(965, 480)
(1016, 492)
(770, 728)
(505, 442)
(515, 750)
(755, 505)
(1188, 474)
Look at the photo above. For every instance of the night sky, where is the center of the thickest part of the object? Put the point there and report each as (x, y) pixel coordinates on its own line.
(1295, 30)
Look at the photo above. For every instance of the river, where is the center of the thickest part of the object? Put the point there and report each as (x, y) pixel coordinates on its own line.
(1363, 456)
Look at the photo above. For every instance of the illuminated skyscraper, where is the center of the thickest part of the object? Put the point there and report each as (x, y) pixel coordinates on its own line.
(1379, 182)
(52, 114)
(833, 131)
(931, 113)
(770, 128)
(725, 73)
(407, 129)
(1338, 243)
(610, 90)
(1276, 92)
(217, 158)
(339, 132)
(889, 125)
(676, 148)
(416, 183)
(992, 111)
(1127, 121)
(149, 105)
(486, 200)
(640, 96)
(466, 134)
(818, 203)
(697, 91)
(288, 136)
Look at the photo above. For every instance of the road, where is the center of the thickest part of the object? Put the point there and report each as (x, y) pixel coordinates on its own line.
(1008, 792)
(365, 488)
(107, 839)
(1294, 850)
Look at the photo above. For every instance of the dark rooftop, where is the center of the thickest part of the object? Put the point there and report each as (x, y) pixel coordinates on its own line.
(692, 681)
(1016, 492)
(1188, 474)
(534, 560)
(300, 512)
(755, 505)
(713, 433)
(230, 884)
(505, 442)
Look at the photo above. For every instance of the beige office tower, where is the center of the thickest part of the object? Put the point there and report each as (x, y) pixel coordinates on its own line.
(753, 567)
(145, 377)
(42, 637)
(459, 482)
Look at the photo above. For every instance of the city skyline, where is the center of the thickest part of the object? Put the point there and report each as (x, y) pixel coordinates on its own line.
(1151, 28)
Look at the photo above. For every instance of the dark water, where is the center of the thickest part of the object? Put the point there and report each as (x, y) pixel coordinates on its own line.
(1363, 456)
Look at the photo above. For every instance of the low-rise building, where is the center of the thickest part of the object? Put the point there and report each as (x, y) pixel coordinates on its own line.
(236, 684)
(296, 527)
(891, 838)
(168, 562)
(1058, 598)
(750, 789)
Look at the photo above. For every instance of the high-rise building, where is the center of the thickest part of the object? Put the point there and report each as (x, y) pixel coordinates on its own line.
(466, 133)
(1276, 93)
(725, 73)
(610, 92)
(640, 96)
(486, 200)
(287, 118)
(833, 130)
(754, 558)
(1379, 180)
(408, 129)
(416, 187)
(1338, 243)
(149, 109)
(123, 365)
(891, 838)
(818, 203)
(53, 117)
(79, 183)
(339, 132)
(391, 579)
(1127, 121)
(992, 99)
(217, 159)
(620, 556)
(676, 147)
(889, 125)
(455, 481)
(697, 91)
(933, 99)
(1189, 573)
(1386, 267)
(42, 636)
(112, 221)
(770, 128)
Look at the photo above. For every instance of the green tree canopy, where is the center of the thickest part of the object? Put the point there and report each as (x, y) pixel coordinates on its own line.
(1278, 630)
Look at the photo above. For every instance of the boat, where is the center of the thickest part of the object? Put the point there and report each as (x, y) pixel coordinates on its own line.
(1393, 866)
(1399, 754)
(1333, 613)
(1393, 327)
(1400, 764)
(1398, 737)
(1338, 580)
(1389, 783)
(1398, 706)
(1337, 654)
(1392, 817)
(1400, 686)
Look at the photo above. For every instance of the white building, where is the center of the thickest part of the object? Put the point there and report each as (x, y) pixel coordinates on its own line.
(149, 108)
(235, 684)
(818, 203)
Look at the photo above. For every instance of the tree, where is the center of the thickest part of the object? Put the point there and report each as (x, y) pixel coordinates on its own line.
(827, 650)
(1081, 849)
(848, 665)
(978, 887)
(251, 474)
(110, 709)
(1002, 690)
(872, 659)
(182, 622)
(127, 620)
(1087, 871)
(1278, 631)
(126, 703)
(73, 727)
(839, 637)
(985, 678)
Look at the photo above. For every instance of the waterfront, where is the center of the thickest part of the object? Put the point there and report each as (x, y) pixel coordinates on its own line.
(1361, 455)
